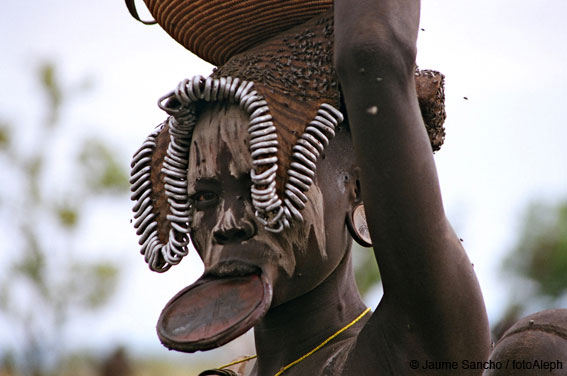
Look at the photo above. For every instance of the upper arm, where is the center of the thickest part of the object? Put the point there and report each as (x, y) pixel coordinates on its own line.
(428, 280)
(398, 179)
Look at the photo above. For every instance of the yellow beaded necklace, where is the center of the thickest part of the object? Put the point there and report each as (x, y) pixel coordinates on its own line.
(315, 349)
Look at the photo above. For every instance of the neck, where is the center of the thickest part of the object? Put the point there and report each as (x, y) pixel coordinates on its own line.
(292, 329)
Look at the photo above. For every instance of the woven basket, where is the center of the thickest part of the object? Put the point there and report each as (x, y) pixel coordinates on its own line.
(215, 30)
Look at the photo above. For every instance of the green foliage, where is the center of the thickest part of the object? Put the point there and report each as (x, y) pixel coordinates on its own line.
(102, 277)
(103, 173)
(539, 256)
(68, 215)
(50, 85)
(5, 136)
(57, 280)
(366, 271)
(540, 253)
(32, 263)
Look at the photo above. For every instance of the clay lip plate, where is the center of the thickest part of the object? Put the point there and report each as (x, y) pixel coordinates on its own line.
(213, 311)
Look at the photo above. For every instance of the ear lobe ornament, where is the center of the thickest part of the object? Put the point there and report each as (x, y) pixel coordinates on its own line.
(357, 226)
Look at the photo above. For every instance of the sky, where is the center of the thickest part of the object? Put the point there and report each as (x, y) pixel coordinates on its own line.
(506, 98)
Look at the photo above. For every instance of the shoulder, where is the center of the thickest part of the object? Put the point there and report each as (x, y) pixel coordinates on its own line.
(538, 341)
(384, 345)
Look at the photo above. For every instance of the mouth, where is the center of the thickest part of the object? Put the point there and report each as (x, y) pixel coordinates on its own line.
(232, 268)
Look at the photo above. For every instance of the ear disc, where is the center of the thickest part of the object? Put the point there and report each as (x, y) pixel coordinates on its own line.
(358, 226)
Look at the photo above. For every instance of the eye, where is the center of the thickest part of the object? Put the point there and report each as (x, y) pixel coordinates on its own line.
(202, 200)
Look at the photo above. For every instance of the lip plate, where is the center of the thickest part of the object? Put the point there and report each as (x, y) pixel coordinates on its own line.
(213, 311)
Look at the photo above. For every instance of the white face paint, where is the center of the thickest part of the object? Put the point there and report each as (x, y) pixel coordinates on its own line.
(219, 183)
(220, 127)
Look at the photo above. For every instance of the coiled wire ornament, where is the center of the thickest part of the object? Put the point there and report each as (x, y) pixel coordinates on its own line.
(160, 257)
(305, 154)
(273, 212)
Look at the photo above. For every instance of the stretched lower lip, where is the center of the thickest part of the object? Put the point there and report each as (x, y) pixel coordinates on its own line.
(214, 311)
(233, 268)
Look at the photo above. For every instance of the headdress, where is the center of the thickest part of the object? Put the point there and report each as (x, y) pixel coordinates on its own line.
(287, 86)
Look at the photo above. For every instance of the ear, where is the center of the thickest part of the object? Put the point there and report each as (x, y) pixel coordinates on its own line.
(356, 217)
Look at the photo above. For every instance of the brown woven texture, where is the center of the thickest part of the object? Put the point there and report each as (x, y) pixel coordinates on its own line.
(292, 70)
(296, 62)
(294, 73)
(430, 86)
(215, 30)
(158, 197)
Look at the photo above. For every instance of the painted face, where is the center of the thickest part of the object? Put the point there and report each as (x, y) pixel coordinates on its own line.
(225, 231)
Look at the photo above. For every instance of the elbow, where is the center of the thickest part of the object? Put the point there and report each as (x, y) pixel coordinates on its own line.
(376, 51)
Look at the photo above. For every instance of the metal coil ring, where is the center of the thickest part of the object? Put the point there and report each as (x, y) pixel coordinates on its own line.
(268, 137)
(271, 211)
(260, 126)
(260, 119)
(264, 144)
(318, 134)
(140, 190)
(304, 178)
(305, 154)
(313, 141)
(258, 104)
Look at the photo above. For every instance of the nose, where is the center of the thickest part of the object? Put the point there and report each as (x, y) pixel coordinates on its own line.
(230, 230)
(233, 235)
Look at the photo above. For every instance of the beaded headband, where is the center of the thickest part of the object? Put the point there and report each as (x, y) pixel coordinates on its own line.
(288, 89)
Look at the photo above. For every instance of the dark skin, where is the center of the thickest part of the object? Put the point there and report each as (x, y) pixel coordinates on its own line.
(432, 307)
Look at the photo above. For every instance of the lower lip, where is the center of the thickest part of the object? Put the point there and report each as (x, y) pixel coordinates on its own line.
(213, 311)
(232, 268)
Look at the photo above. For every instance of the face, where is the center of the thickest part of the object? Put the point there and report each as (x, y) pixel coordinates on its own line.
(225, 231)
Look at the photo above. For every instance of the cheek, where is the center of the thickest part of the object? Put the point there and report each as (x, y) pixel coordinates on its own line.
(197, 236)
(326, 232)
(304, 245)
(314, 226)
(201, 233)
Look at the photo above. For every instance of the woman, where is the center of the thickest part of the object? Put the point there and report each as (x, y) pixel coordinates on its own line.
(277, 186)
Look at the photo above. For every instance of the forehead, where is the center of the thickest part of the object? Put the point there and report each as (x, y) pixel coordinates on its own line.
(219, 141)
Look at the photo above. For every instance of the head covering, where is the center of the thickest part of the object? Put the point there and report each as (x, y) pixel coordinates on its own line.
(288, 87)
(216, 30)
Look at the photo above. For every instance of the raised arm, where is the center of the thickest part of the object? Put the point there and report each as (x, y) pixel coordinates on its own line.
(432, 307)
